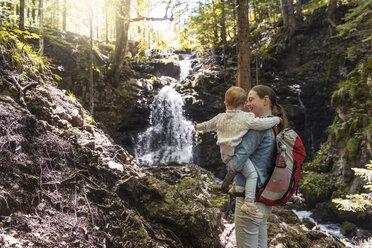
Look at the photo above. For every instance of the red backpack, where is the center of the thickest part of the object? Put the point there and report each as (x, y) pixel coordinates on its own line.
(283, 182)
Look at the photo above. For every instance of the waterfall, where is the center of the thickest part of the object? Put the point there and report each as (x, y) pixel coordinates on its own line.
(170, 135)
(308, 130)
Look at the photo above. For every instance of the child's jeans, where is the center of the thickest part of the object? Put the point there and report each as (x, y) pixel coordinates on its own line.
(250, 173)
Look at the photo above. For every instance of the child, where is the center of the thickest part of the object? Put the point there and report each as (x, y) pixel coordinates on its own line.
(231, 126)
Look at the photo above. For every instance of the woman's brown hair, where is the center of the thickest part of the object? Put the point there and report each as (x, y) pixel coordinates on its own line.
(277, 109)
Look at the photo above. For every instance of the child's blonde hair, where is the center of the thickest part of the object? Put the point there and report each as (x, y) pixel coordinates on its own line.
(236, 96)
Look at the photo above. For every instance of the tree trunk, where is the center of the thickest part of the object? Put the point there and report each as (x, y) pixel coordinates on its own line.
(41, 25)
(299, 8)
(215, 28)
(107, 26)
(289, 20)
(256, 69)
(244, 77)
(283, 5)
(33, 11)
(292, 18)
(91, 81)
(122, 26)
(64, 15)
(22, 14)
(223, 32)
(57, 14)
(331, 12)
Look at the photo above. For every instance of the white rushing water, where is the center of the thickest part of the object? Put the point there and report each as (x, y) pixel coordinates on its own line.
(333, 229)
(170, 135)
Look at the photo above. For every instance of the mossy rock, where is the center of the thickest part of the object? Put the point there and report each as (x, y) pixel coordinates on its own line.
(308, 223)
(348, 228)
(317, 187)
(180, 212)
(352, 149)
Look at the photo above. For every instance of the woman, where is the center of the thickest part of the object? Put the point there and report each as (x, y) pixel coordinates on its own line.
(259, 147)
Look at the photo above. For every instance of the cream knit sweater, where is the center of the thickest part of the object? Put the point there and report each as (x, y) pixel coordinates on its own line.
(231, 127)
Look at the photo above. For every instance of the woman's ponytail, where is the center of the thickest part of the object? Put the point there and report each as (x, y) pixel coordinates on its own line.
(278, 110)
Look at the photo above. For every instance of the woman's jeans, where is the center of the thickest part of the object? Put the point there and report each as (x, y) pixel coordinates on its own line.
(250, 232)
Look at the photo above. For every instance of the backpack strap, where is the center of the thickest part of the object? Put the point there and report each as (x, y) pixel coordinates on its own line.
(276, 130)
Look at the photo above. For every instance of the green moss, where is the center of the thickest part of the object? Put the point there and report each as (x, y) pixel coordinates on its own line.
(187, 182)
(320, 164)
(308, 223)
(348, 228)
(352, 149)
(317, 187)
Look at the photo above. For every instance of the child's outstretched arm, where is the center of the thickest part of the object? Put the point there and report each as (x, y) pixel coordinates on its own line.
(256, 123)
(208, 126)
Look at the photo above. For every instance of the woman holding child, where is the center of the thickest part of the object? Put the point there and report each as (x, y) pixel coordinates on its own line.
(247, 145)
(259, 148)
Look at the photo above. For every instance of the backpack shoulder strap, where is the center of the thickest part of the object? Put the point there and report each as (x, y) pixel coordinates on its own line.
(276, 130)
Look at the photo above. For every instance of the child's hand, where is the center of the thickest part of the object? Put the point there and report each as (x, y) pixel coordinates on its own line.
(280, 120)
(196, 124)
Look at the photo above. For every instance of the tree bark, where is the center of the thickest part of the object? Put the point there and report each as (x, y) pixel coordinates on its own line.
(289, 20)
(223, 32)
(107, 26)
(292, 18)
(22, 14)
(283, 5)
(91, 81)
(331, 12)
(33, 11)
(244, 77)
(299, 8)
(122, 26)
(41, 25)
(64, 15)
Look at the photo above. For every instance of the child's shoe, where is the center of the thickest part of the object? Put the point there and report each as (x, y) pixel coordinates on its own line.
(227, 181)
(252, 210)
(232, 191)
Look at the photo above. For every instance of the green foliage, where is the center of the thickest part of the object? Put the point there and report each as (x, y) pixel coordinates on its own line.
(205, 24)
(89, 117)
(358, 202)
(317, 187)
(320, 164)
(353, 101)
(22, 56)
(311, 6)
(357, 29)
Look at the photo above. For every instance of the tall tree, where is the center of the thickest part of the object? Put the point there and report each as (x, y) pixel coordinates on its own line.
(64, 15)
(331, 12)
(299, 8)
(223, 31)
(22, 14)
(289, 20)
(121, 43)
(33, 11)
(41, 25)
(244, 70)
(91, 81)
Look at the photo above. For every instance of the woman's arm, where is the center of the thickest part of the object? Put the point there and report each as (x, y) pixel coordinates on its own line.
(251, 140)
(257, 123)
